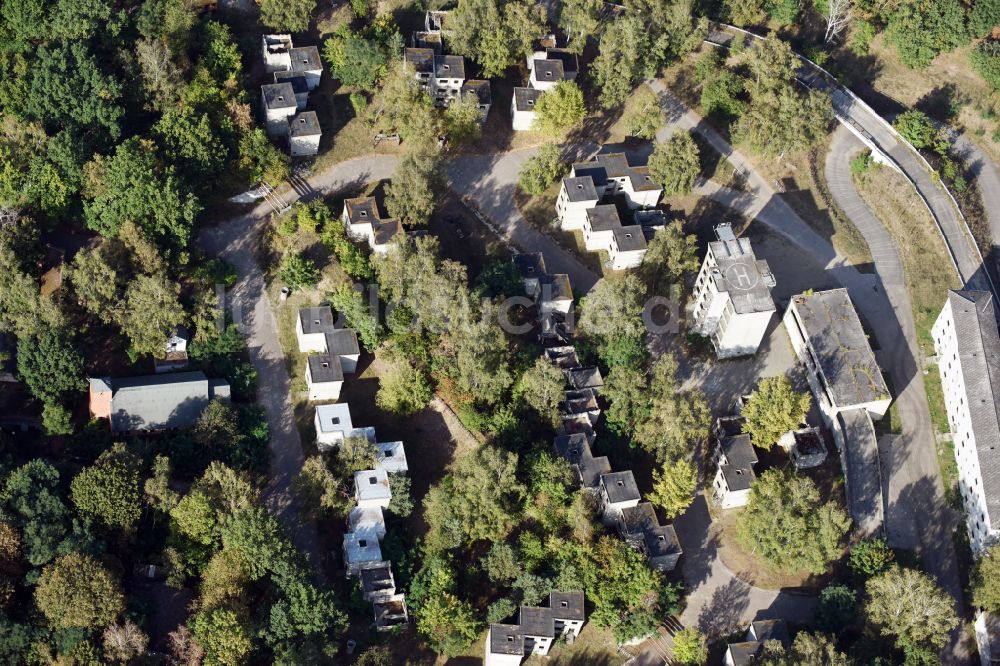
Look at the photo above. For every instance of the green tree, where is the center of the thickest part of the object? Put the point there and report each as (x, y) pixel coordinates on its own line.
(30, 498)
(919, 31)
(416, 184)
(675, 164)
(779, 117)
(671, 257)
(261, 540)
(984, 581)
(623, 60)
(786, 525)
(481, 499)
(580, 20)
(297, 271)
(673, 487)
(543, 387)
(773, 409)
(560, 109)
(156, 488)
(985, 59)
(807, 650)
(645, 117)
(501, 564)
(50, 364)
(401, 503)
(983, 17)
(132, 186)
(109, 489)
(67, 87)
(77, 591)
(909, 605)
(95, 282)
(613, 308)
(375, 656)
(195, 517)
(522, 21)
(403, 389)
(223, 637)
(745, 12)
(871, 557)
(837, 608)
(720, 95)
(351, 304)
(448, 623)
(152, 307)
(479, 32)
(287, 15)
(500, 610)
(690, 648)
(671, 419)
(319, 490)
(354, 59)
(463, 120)
(261, 161)
(191, 144)
(916, 128)
(540, 171)
(56, 419)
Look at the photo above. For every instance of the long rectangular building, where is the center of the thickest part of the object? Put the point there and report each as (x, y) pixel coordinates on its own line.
(968, 348)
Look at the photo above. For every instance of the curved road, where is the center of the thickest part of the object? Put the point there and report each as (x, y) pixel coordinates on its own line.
(234, 241)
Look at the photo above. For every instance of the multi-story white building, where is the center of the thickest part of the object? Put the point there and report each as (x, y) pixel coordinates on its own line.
(612, 175)
(968, 350)
(278, 103)
(734, 458)
(364, 223)
(617, 492)
(305, 61)
(304, 134)
(732, 303)
(536, 630)
(522, 108)
(568, 61)
(849, 389)
(576, 196)
(442, 76)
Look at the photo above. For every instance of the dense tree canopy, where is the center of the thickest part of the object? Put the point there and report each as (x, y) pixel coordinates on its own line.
(560, 109)
(909, 605)
(675, 164)
(77, 591)
(985, 581)
(108, 490)
(787, 526)
(773, 409)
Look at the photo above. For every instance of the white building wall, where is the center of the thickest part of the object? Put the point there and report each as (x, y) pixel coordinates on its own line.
(493, 659)
(740, 334)
(596, 240)
(642, 199)
(300, 146)
(324, 390)
(623, 260)
(970, 482)
(349, 362)
(276, 120)
(521, 121)
(572, 214)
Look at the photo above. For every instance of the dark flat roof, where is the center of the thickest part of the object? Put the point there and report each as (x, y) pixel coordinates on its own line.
(325, 368)
(630, 238)
(548, 70)
(861, 470)
(506, 639)
(278, 95)
(361, 210)
(342, 342)
(316, 319)
(421, 59)
(741, 458)
(298, 81)
(580, 188)
(449, 67)
(385, 230)
(620, 486)
(305, 58)
(662, 540)
(567, 605)
(569, 60)
(558, 287)
(525, 98)
(479, 88)
(537, 621)
(589, 377)
(304, 124)
(603, 217)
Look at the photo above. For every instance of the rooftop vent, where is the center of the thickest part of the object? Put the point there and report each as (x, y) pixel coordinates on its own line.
(372, 480)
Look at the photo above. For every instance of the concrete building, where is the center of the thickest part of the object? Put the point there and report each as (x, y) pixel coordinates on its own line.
(748, 651)
(531, 266)
(734, 458)
(522, 109)
(359, 550)
(545, 74)
(371, 488)
(804, 446)
(849, 390)
(555, 294)
(340, 352)
(581, 402)
(968, 350)
(305, 60)
(154, 402)
(364, 222)
(278, 104)
(275, 50)
(568, 61)
(299, 86)
(479, 91)
(612, 175)
(324, 377)
(376, 580)
(311, 327)
(390, 611)
(987, 628)
(333, 425)
(536, 630)
(617, 492)
(576, 196)
(575, 449)
(642, 530)
(732, 303)
(442, 76)
(392, 457)
(304, 134)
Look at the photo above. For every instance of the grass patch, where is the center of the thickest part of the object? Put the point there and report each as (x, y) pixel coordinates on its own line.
(926, 263)
(949, 472)
(935, 401)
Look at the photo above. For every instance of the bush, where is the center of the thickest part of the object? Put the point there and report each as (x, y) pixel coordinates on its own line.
(297, 271)
(861, 37)
(540, 171)
(861, 165)
(359, 102)
(915, 127)
(985, 59)
(560, 109)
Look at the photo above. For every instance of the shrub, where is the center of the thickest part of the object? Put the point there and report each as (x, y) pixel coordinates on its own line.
(985, 59)
(861, 165)
(915, 127)
(541, 170)
(298, 271)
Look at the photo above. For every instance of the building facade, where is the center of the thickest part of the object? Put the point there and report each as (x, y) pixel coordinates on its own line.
(968, 350)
